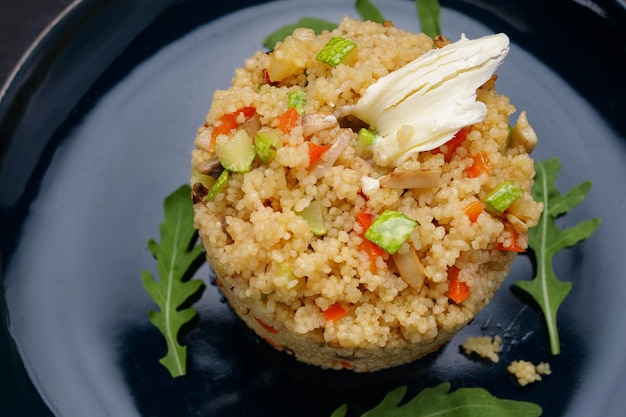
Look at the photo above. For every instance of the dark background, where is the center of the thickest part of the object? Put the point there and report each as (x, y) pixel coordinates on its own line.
(21, 22)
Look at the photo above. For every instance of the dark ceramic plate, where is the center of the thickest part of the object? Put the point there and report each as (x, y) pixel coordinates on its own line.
(97, 127)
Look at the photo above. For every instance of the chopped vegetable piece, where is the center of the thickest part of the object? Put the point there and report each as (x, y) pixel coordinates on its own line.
(228, 123)
(410, 268)
(364, 141)
(289, 59)
(503, 196)
(207, 181)
(266, 326)
(429, 12)
(267, 143)
(314, 216)
(473, 210)
(458, 290)
(335, 312)
(315, 152)
(218, 186)
(512, 241)
(390, 230)
(288, 120)
(365, 219)
(448, 148)
(481, 165)
(338, 50)
(209, 167)
(374, 251)
(176, 255)
(323, 165)
(296, 100)
(283, 277)
(235, 152)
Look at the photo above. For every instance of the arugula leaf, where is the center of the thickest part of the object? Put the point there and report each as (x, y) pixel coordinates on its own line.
(546, 240)
(366, 9)
(429, 13)
(177, 258)
(318, 26)
(369, 11)
(437, 401)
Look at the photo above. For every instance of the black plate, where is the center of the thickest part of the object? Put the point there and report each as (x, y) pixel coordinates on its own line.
(96, 129)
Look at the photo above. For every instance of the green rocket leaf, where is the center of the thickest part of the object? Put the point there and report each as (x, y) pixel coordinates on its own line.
(279, 35)
(177, 258)
(429, 13)
(547, 239)
(439, 402)
(368, 11)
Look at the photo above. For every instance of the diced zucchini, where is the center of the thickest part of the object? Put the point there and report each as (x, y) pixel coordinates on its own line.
(390, 230)
(235, 152)
(296, 100)
(206, 180)
(364, 141)
(503, 196)
(337, 51)
(218, 186)
(267, 143)
(314, 216)
(284, 276)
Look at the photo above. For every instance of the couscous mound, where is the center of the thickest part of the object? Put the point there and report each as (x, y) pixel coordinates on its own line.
(285, 229)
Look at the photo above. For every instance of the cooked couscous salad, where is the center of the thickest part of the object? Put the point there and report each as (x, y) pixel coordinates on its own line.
(362, 193)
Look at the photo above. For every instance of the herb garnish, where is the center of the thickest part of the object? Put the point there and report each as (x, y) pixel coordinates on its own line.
(429, 12)
(438, 401)
(177, 259)
(318, 25)
(368, 11)
(547, 239)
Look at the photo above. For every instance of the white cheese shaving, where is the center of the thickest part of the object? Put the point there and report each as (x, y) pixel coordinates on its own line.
(421, 106)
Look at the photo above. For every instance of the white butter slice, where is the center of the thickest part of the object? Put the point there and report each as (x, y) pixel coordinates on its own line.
(421, 106)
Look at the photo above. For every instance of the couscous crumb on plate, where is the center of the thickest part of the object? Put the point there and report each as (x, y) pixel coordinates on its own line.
(526, 372)
(484, 346)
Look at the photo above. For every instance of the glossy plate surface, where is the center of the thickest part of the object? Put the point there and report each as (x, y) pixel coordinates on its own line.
(96, 132)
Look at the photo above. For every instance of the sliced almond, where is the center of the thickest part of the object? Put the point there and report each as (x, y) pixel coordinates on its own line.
(316, 122)
(414, 178)
(410, 268)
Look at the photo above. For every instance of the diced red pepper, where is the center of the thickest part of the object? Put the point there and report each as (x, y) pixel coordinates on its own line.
(315, 152)
(267, 79)
(335, 312)
(473, 210)
(288, 120)
(266, 326)
(365, 219)
(458, 290)
(514, 246)
(450, 146)
(228, 123)
(481, 165)
(374, 251)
